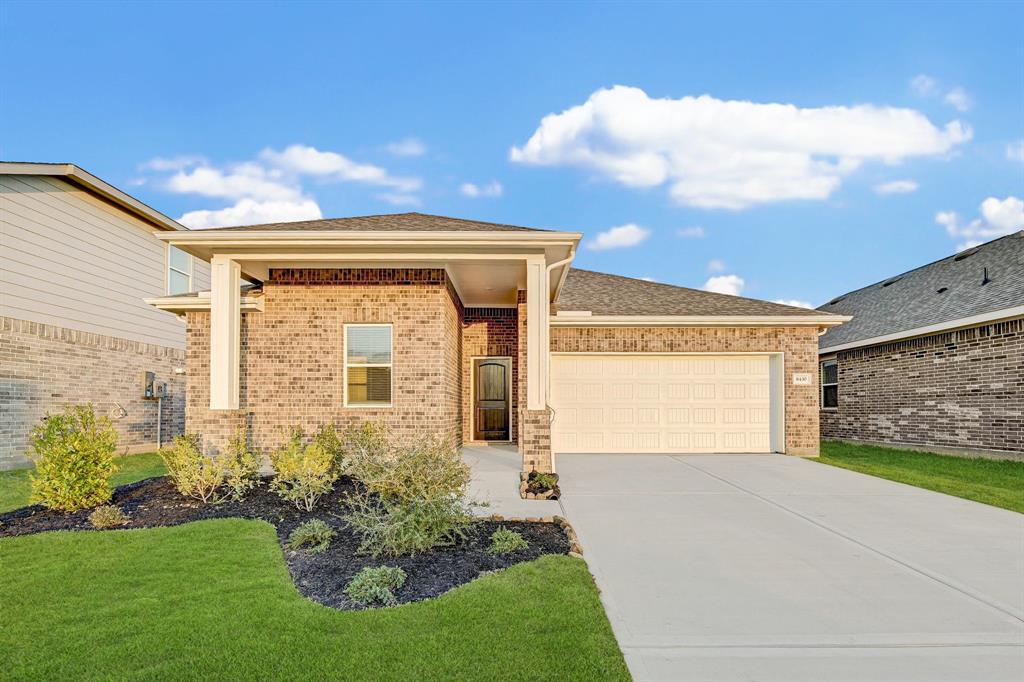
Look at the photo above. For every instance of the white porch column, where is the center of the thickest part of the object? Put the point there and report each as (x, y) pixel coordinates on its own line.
(225, 332)
(537, 345)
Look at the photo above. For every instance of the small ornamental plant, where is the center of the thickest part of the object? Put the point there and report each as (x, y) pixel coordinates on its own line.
(241, 466)
(314, 536)
(303, 473)
(541, 482)
(107, 516)
(194, 474)
(505, 541)
(376, 586)
(73, 454)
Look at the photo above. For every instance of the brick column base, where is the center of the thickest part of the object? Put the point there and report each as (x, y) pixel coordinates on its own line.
(535, 443)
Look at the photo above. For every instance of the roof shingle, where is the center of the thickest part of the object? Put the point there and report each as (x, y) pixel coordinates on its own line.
(390, 222)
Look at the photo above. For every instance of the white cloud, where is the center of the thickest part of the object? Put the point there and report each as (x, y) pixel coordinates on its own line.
(491, 189)
(691, 232)
(172, 163)
(619, 237)
(1015, 151)
(409, 146)
(725, 284)
(305, 160)
(959, 99)
(240, 181)
(399, 199)
(252, 212)
(793, 302)
(715, 265)
(924, 85)
(897, 187)
(712, 153)
(998, 217)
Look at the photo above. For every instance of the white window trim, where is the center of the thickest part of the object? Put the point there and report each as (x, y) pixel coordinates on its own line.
(168, 267)
(821, 395)
(345, 364)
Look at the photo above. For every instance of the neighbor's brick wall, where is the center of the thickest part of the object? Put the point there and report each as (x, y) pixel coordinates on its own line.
(798, 344)
(44, 368)
(291, 355)
(962, 389)
(489, 332)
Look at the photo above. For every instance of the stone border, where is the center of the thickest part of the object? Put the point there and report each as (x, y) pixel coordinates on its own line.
(525, 493)
(575, 548)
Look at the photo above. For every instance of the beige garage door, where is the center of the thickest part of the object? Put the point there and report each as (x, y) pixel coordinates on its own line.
(661, 403)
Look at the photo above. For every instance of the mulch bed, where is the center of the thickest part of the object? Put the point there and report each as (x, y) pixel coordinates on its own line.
(320, 577)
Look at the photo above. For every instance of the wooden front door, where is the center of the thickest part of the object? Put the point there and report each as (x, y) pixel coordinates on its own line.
(491, 387)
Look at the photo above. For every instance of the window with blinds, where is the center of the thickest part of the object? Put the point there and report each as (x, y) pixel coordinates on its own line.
(830, 383)
(368, 365)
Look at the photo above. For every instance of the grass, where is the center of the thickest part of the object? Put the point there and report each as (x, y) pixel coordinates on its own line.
(995, 482)
(15, 489)
(214, 600)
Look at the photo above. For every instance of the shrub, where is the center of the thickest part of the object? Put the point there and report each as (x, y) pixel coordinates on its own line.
(194, 474)
(414, 497)
(107, 516)
(303, 473)
(539, 482)
(315, 533)
(333, 443)
(365, 444)
(74, 458)
(376, 585)
(241, 465)
(504, 541)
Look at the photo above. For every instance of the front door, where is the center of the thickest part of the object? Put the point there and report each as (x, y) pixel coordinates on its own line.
(491, 387)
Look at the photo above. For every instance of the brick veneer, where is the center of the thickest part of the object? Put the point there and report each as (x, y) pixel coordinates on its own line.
(798, 344)
(291, 370)
(959, 389)
(489, 332)
(44, 367)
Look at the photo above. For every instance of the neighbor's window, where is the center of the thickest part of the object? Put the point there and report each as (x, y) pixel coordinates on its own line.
(368, 365)
(179, 271)
(829, 384)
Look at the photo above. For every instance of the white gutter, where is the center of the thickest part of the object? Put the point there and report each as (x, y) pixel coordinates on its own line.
(318, 237)
(578, 320)
(973, 321)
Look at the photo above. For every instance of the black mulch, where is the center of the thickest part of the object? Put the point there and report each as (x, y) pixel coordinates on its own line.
(319, 577)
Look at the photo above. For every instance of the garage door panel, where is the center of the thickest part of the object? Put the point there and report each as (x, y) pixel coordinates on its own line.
(656, 403)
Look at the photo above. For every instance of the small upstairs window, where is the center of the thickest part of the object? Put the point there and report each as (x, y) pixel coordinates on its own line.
(830, 384)
(368, 365)
(179, 271)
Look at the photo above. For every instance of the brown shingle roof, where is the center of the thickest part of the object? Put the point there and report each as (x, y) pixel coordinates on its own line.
(390, 222)
(604, 294)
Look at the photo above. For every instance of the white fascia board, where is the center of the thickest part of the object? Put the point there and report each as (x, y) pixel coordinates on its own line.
(972, 321)
(326, 238)
(200, 303)
(578, 320)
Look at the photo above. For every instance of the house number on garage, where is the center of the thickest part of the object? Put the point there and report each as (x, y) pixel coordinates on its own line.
(801, 379)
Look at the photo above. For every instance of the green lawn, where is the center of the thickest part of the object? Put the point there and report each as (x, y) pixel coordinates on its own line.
(999, 483)
(213, 600)
(15, 491)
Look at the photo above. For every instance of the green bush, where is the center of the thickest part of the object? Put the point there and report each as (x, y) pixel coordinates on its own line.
(414, 497)
(107, 516)
(333, 443)
(194, 474)
(363, 444)
(540, 482)
(504, 541)
(376, 586)
(303, 472)
(241, 465)
(314, 534)
(73, 454)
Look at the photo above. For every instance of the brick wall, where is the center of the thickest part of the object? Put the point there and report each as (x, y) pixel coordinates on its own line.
(291, 370)
(960, 389)
(43, 368)
(489, 332)
(798, 344)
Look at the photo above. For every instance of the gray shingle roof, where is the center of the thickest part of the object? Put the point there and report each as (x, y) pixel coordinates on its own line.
(390, 222)
(913, 299)
(604, 294)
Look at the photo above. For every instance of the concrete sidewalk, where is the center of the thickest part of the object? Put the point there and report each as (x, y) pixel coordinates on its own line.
(778, 568)
(496, 481)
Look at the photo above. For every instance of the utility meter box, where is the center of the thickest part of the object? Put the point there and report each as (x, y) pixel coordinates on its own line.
(148, 385)
(160, 389)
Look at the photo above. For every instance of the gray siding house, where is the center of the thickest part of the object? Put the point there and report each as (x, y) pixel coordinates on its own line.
(77, 258)
(933, 358)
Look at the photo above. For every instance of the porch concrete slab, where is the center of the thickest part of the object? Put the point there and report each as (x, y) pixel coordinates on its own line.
(496, 481)
(715, 581)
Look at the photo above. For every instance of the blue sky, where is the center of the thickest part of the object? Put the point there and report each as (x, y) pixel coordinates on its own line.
(897, 135)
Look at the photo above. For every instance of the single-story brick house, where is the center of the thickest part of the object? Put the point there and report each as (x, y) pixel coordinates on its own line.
(934, 357)
(484, 332)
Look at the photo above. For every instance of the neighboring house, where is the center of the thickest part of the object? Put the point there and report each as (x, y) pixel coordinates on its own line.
(482, 332)
(77, 258)
(934, 357)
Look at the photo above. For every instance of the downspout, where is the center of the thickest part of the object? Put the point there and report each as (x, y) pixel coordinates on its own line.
(547, 351)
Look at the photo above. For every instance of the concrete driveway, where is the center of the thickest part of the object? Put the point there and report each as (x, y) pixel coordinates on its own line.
(777, 568)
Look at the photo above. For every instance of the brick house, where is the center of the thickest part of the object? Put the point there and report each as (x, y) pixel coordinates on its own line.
(77, 258)
(934, 357)
(484, 333)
